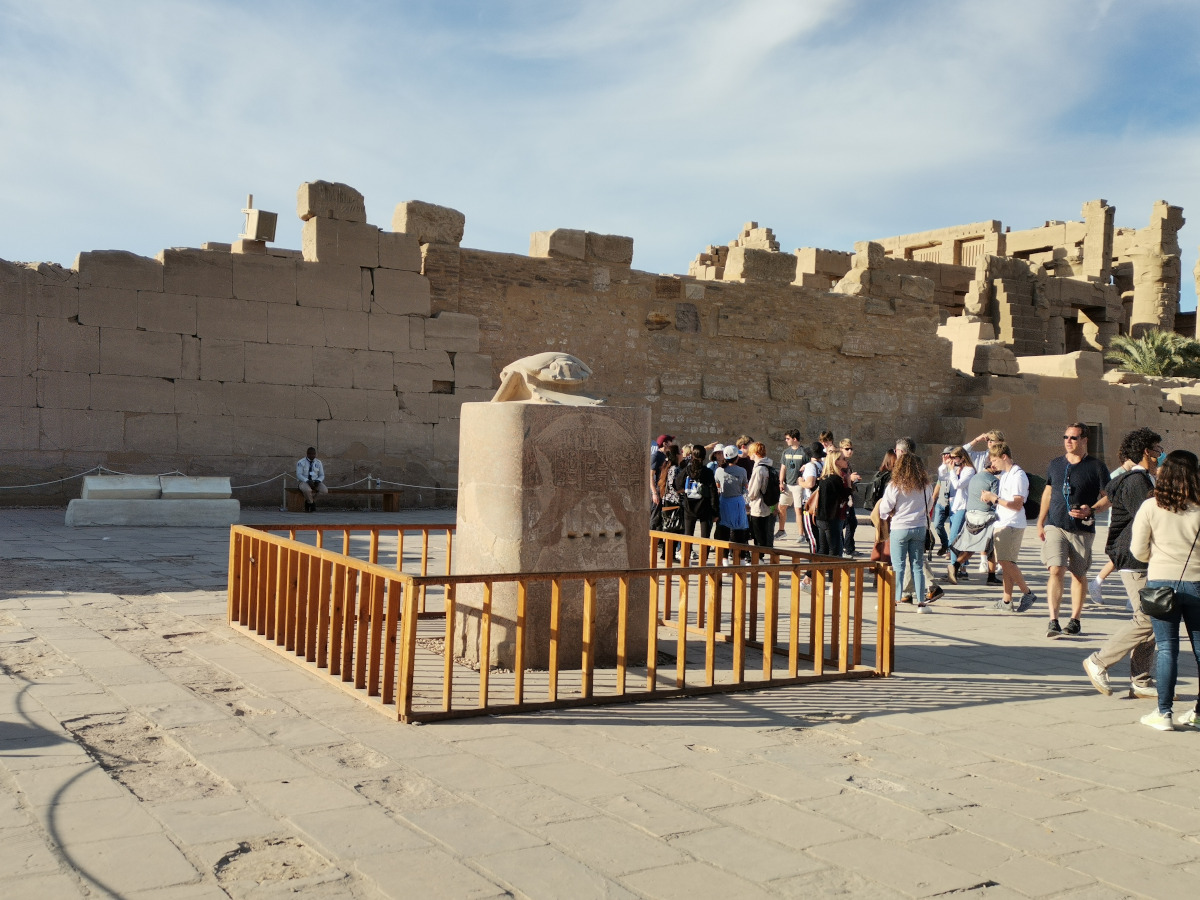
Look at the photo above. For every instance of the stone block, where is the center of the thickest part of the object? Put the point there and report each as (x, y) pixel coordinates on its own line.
(263, 437)
(198, 273)
(330, 200)
(77, 430)
(421, 407)
(125, 352)
(154, 513)
(333, 367)
(719, 387)
(346, 328)
(64, 346)
(200, 398)
(207, 435)
(151, 433)
(329, 285)
(453, 332)
(416, 332)
(184, 487)
(609, 249)
(260, 401)
(222, 360)
(114, 307)
(120, 487)
(295, 325)
(473, 370)
(1080, 364)
(20, 390)
(367, 290)
(131, 393)
(446, 438)
(278, 364)
(351, 440)
(373, 369)
(190, 368)
(19, 344)
(400, 293)
(1186, 400)
(915, 287)
(63, 390)
(231, 320)
(760, 266)
(342, 243)
(244, 247)
(561, 243)
(576, 502)
(166, 312)
(347, 404)
(20, 428)
(268, 279)
(398, 250)
(387, 332)
(382, 406)
(408, 439)
(416, 370)
(119, 269)
(429, 223)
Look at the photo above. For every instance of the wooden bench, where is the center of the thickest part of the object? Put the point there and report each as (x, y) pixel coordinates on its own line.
(391, 498)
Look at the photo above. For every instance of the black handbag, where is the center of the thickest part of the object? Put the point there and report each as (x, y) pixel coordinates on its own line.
(672, 519)
(1161, 602)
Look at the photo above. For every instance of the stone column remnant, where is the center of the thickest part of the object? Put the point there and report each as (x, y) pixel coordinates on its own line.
(551, 479)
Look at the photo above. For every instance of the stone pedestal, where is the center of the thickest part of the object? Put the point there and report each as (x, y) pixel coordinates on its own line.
(545, 488)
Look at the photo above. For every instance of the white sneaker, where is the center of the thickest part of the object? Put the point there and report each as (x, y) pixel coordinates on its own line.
(1094, 591)
(1189, 719)
(1158, 721)
(981, 567)
(1098, 675)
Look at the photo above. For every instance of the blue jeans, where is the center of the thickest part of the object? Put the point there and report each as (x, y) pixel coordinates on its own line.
(956, 524)
(1166, 636)
(941, 515)
(908, 544)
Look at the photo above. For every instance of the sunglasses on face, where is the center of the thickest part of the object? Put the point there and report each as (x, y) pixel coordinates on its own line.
(1072, 437)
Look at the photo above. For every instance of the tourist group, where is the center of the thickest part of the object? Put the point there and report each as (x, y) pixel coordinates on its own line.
(976, 504)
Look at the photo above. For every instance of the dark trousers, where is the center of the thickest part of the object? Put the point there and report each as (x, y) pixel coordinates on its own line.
(829, 537)
(690, 522)
(848, 531)
(737, 535)
(762, 530)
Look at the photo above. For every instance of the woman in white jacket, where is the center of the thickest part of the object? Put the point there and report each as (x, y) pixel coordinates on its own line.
(1165, 532)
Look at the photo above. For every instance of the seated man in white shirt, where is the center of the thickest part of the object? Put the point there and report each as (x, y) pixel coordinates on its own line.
(311, 477)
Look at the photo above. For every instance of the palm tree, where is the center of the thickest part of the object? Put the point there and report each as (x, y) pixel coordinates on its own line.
(1156, 352)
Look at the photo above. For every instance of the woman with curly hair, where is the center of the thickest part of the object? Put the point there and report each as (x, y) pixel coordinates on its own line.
(1165, 532)
(908, 502)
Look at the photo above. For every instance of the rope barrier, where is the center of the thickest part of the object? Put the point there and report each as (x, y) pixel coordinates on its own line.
(235, 487)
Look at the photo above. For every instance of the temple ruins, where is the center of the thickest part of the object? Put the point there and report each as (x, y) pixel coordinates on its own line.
(230, 358)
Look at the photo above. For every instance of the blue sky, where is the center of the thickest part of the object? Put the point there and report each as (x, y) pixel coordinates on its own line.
(140, 125)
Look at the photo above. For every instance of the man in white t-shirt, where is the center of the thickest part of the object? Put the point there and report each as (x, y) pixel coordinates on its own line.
(1009, 497)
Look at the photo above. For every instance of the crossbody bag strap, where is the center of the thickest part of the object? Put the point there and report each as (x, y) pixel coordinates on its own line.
(1189, 558)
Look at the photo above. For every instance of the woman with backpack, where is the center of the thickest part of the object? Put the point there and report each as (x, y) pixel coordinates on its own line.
(697, 487)
(762, 494)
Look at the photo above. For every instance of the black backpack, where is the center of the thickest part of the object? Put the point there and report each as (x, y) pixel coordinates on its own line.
(770, 494)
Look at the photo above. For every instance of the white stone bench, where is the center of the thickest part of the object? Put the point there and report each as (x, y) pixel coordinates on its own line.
(154, 501)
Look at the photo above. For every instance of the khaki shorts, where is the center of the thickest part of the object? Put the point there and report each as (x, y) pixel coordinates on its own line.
(1072, 549)
(797, 497)
(1007, 543)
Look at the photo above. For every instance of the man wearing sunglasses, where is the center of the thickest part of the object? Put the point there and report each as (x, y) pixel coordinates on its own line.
(1074, 493)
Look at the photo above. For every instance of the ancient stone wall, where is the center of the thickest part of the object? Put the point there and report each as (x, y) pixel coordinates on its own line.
(213, 362)
(230, 360)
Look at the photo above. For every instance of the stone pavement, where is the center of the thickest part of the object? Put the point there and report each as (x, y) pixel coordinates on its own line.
(148, 750)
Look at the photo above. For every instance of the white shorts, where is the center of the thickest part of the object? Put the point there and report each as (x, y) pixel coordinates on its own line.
(797, 496)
